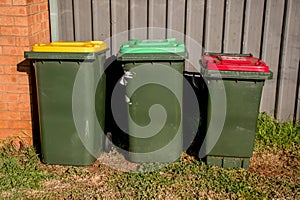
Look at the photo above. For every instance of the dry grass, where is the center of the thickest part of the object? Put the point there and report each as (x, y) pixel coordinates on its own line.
(284, 165)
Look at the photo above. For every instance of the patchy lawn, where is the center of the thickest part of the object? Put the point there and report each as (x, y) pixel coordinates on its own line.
(274, 173)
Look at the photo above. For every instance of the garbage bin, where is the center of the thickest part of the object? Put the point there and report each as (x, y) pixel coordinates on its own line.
(71, 100)
(154, 81)
(235, 83)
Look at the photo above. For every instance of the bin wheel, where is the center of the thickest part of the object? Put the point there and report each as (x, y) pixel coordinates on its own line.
(108, 142)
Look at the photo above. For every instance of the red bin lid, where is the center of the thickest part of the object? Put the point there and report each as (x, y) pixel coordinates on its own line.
(236, 62)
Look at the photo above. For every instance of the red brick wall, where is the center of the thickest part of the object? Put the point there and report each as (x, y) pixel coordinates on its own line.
(22, 24)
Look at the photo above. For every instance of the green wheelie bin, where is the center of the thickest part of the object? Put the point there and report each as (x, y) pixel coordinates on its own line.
(234, 83)
(154, 83)
(71, 100)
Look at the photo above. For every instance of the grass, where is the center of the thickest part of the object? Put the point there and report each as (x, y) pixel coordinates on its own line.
(273, 135)
(19, 169)
(273, 173)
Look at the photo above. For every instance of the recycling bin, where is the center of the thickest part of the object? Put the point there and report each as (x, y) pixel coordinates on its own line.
(234, 83)
(71, 100)
(153, 76)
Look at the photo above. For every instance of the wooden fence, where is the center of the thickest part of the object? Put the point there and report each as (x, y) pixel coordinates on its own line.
(269, 29)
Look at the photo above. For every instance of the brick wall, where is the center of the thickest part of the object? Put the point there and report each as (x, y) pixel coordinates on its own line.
(22, 24)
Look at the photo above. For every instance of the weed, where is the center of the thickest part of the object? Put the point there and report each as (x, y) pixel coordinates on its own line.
(273, 135)
(19, 168)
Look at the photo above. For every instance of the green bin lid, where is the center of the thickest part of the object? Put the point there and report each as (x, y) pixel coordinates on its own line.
(152, 50)
(170, 45)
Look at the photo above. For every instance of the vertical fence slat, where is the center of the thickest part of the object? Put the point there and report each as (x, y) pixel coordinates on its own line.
(176, 19)
(54, 20)
(119, 14)
(66, 28)
(253, 27)
(214, 25)
(83, 20)
(290, 61)
(157, 19)
(233, 26)
(271, 51)
(138, 19)
(101, 19)
(194, 34)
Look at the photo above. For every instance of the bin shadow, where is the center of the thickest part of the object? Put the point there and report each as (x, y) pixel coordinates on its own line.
(194, 120)
(116, 107)
(27, 66)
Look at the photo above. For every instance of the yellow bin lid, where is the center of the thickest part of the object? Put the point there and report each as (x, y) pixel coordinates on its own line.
(71, 47)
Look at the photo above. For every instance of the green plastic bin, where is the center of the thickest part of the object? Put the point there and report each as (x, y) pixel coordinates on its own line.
(241, 78)
(153, 76)
(71, 100)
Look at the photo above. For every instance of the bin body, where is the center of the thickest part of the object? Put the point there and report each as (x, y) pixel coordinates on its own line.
(71, 101)
(154, 66)
(241, 77)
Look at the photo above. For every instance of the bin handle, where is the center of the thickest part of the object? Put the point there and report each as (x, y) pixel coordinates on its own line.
(194, 81)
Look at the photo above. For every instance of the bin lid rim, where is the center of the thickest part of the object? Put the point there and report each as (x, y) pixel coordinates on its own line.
(170, 45)
(71, 47)
(234, 62)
